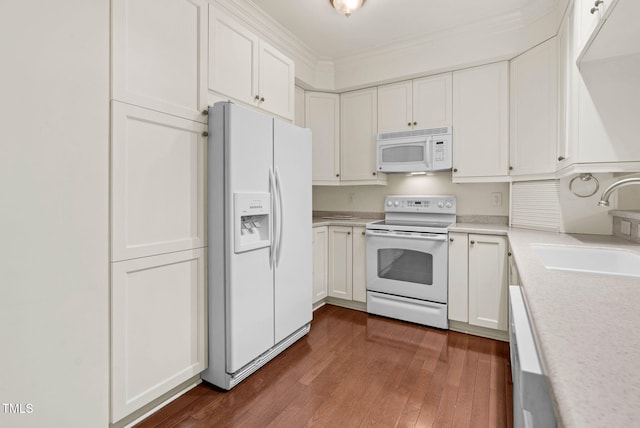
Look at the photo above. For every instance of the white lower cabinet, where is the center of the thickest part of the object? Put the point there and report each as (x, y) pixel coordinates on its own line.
(157, 327)
(478, 280)
(320, 262)
(339, 263)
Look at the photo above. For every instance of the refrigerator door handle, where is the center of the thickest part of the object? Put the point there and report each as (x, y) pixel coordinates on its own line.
(279, 217)
(272, 185)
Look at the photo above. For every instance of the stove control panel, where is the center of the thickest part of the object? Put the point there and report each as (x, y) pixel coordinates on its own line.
(445, 204)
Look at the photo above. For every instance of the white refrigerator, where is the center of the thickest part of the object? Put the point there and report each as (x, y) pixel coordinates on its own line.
(260, 240)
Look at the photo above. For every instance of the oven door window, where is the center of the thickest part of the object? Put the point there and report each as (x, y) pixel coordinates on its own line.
(405, 265)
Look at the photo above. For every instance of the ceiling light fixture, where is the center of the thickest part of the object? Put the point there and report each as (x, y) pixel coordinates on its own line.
(346, 7)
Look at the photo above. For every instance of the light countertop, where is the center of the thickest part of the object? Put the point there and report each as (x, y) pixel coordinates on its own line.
(587, 330)
(320, 221)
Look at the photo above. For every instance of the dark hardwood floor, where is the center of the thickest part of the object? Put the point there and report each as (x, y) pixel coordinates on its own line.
(356, 370)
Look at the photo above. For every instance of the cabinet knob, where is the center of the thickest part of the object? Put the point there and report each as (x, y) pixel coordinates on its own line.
(594, 10)
(450, 239)
(509, 254)
(205, 134)
(374, 173)
(598, 3)
(510, 168)
(415, 123)
(363, 233)
(348, 233)
(455, 169)
(472, 242)
(409, 124)
(257, 98)
(261, 99)
(205, 112)
(337, 175)
(561, 158)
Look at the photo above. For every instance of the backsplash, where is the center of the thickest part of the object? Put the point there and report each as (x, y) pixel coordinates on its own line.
(625, 224)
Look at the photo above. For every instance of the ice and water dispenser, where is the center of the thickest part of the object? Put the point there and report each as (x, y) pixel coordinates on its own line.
(251, 221)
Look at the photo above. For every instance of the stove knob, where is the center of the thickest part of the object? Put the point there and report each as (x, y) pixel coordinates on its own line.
(449, 204)
(440, 204)
(389, 203)
(396, 204)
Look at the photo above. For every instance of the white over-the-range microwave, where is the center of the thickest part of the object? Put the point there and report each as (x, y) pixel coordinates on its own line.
(419, 150)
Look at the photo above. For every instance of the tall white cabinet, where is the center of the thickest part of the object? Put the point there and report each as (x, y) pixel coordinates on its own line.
(158, 247)
(322, 116)
(481, 123)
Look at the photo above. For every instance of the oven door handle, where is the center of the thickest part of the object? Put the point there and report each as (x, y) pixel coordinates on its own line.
(422, 237)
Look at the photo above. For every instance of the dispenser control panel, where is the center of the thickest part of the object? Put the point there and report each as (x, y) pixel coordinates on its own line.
(251, 221)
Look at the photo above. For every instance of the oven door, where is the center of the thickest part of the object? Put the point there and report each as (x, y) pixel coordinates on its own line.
(408, 264)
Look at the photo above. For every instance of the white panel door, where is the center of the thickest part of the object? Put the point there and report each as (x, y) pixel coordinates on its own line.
(233, 56)
(249, 283)
(322, 116)
(534, 110)
(432, 101)
(159, 55)
(340, 262)
(157, 183)
(157, 327)
(276, 85)
(359, 264)
(481, 121)
(458, 306)
(294, 257)
(488, 304)
(395, 108)
(358, 127)
(320, 262)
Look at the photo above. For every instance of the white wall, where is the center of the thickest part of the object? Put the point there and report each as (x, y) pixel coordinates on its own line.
(54, 176)
(473, 199)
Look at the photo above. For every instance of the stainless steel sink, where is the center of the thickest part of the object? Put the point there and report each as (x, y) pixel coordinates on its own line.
(608, 261)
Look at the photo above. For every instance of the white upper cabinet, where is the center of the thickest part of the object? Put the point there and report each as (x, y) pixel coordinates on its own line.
(415, 104)
(534, 111)
(157, 183)
(481, 123)
(248, 69)
(159, 55)
(358, 126)
(322, 116)
(299, 107)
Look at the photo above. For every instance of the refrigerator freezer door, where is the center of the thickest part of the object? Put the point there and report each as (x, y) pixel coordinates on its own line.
(249, 281)
(293, 273)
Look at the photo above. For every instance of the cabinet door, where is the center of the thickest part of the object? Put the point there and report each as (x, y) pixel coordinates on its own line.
(566, 113)
(322, 115)
(299, 108)
(458, 277)
(320, 262)
(157, 198)
(340, 262)
(276, 81)
(233, 56)
(159, 55)
(395, 108)
(157, 327)
(359, 264)
(481, 122)
(488, 305)
(534, 110)
(432, 100)
(358, 126)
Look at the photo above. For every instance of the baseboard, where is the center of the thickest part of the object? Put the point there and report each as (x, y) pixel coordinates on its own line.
(349, 304)
(490, 333)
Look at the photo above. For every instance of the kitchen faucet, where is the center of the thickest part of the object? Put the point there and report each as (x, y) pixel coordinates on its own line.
(604, 200)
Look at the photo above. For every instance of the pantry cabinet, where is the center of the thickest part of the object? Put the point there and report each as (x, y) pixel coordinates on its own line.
(481, 123)
(478, 280)
(415, 104)
(320, 262)
(322, 116)
(248, 69)
(155, 68)
(534, 111)
(157, 327)
(340, 262)
(157, 183)
(358, 127)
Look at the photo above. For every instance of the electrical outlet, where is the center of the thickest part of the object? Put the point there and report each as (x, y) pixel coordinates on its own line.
(496, 199)
(625, 227)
